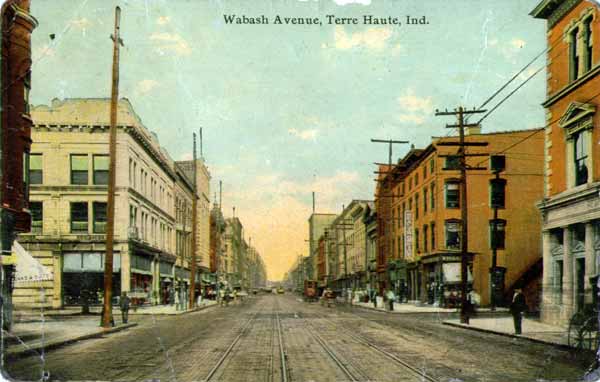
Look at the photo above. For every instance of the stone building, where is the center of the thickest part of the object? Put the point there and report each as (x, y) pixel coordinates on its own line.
(69, 176)
(570, 208)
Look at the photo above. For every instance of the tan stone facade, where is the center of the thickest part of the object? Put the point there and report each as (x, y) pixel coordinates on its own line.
(68, 195)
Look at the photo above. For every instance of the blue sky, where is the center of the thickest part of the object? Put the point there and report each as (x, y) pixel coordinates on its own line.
(286, 109)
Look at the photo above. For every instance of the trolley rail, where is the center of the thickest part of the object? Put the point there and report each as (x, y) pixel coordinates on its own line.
(364, 341)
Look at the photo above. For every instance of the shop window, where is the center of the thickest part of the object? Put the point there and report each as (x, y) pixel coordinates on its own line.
(79, 169)
(580, 157)
(37, 216)
(99, 217)
(79, 217)
(497, 193)
(497, 237)
(453, 234)
(452, 195)
(35, 169)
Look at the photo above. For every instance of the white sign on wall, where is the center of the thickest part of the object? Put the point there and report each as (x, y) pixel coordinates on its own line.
(408, 235)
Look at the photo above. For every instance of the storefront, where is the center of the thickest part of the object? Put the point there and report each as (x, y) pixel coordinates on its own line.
(165, 270)
(141, 279)
(83, 277)
(397, 274)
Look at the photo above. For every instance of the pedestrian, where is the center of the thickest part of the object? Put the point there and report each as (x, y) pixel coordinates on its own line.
(390, 297)
(124, 305)
(517, 307)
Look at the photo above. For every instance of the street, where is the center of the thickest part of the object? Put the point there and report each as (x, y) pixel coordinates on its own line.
(245, 342)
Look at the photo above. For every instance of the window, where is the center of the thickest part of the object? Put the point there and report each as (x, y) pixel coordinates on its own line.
(497, 193)
(410, 204)
(101, 169)
(99, 217)
(79, 217)
(452, 162)
(497, 237)
(416, 206)
(26, 174)
(432, 225)
(417, 240)
(416, 179)
(573, 55)
(37, 216)
(453, 234)
(424, 200)
(410, 184)
(431, 166)
(79, 169)
(587, 44)
(425, 238)
(452, 195)
(35, 169)
(581, 154)
(432, 196)
(424, 173)
(26, 91)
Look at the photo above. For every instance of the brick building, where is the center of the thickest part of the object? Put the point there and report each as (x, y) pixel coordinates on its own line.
(423, 232)
(571, 207)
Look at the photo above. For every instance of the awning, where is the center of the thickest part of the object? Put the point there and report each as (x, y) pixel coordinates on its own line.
(28, 268)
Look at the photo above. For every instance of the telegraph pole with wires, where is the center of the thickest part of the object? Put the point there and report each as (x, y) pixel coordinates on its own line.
(387, 230)
(194, 229)
(461, 155)
(107, 318)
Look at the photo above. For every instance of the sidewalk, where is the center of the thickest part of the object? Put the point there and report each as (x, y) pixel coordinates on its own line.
(416, 308)
(27, 338)
(532, 329)
(74, 312)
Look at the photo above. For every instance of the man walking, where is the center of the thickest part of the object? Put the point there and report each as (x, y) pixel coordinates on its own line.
(517, 307)
(124, 305)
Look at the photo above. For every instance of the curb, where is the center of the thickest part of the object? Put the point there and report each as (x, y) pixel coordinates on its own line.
(197, 309)
(54, 345)
(521, 337)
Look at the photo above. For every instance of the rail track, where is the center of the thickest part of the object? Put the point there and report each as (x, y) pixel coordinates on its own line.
(276, 352)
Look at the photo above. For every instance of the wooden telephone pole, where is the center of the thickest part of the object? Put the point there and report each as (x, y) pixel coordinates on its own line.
(110, 213)
(194, 231)
(462, 155)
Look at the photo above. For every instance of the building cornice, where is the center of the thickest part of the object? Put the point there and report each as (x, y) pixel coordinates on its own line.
(571, 87)
(553, 10)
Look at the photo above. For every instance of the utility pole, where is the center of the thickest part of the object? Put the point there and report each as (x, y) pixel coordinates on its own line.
(112, 150)
(464, 240)
(194, 230)
(387, 232)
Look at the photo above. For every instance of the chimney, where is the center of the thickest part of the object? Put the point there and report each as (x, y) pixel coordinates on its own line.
(473, 130)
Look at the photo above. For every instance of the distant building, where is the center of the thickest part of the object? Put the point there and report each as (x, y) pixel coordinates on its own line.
(570, 208)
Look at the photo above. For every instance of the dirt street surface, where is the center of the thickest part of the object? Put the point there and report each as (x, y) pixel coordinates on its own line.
(279, 338)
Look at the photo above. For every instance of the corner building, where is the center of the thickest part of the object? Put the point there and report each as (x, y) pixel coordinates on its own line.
(570, 208)
(424, 218)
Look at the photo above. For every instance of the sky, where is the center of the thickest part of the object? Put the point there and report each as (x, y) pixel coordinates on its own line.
(290, 109)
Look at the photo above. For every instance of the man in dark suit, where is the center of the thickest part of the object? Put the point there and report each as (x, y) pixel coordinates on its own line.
(517, 307)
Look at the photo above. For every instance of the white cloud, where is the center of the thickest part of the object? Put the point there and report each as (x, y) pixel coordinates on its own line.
(517, 43)
(145, 86)
(169, 42)
(163, 20)
(346, 2)
(372, 38)
(81, 24)
(305, 135)
(510, 49)
(414, 109)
